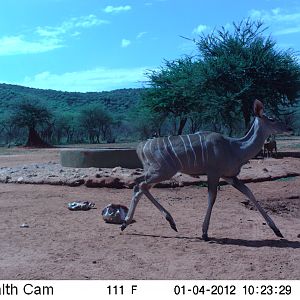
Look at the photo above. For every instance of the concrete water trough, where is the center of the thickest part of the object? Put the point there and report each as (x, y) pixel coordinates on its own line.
(100, 158)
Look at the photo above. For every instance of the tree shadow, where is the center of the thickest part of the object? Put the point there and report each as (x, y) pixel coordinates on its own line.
(272, 243)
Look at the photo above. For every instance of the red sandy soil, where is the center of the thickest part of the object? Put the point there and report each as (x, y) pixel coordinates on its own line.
(63, 244)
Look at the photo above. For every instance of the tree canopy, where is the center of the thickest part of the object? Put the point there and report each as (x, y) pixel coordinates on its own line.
(97, 122)
(243, 65)
(232, 69)
(31, 115)
(174, 89)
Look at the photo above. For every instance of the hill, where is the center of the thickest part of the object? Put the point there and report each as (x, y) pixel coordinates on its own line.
(117, 101)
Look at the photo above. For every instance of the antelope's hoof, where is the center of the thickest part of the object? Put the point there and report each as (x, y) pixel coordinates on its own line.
(278, 233)
(172, 223)
(123, 226)
(173, 226)
(205, 237)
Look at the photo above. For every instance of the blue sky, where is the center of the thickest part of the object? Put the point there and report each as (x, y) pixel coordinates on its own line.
(94, 45)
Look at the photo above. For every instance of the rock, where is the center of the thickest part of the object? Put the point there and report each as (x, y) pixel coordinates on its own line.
(116, 169)
(76, 182)
(24, 225)
(95, 182)
(114, 182)
(136, 172)
(54, 174)
(109, 182)
(129, 182)
(20, 179)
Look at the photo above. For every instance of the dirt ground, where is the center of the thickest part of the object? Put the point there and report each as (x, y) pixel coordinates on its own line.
(63, 244)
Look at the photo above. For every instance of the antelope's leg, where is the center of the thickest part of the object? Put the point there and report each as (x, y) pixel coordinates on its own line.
(236, 183)
(212, 194)
(137, 194)
(167, 215)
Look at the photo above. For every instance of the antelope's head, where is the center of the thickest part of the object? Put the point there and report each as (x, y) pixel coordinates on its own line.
(269, 125)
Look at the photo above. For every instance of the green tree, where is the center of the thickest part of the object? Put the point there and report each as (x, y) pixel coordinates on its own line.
(239, 66)
(31, 115)
(65, 125)
(8, 131)
(97, 122)
(174, 90)
(146, 122)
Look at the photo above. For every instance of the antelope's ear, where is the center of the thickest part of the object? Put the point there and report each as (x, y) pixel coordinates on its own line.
(258, 108)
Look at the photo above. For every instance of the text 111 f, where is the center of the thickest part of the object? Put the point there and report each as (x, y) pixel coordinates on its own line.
(119, 289)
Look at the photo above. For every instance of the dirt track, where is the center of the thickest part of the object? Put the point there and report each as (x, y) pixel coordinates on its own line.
(60, 244)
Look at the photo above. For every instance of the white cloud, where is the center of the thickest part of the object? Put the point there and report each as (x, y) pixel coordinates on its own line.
(47, 38)
(228, 26)
(116, 9)
(76, 33)
(275, 15)
(256, 14)
(70, 25)
(87, 21)
(125, 43)
(283, 21)
(288, 30)
(141, 34)
(98, 79)
(14, 45)
(200, 28)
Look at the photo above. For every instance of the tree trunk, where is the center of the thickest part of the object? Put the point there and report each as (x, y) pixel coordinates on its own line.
(181, 125)
(34, 140)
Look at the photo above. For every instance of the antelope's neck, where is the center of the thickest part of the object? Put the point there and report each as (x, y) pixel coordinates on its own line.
(253, 142)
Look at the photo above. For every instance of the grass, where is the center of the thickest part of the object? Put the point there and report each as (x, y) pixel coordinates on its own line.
(286, 179)
(202, 185)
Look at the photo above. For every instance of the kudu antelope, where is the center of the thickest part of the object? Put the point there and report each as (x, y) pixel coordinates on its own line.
(212, 154)
(269, 146)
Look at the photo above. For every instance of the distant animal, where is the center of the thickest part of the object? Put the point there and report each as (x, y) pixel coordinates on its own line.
(210, 154)
(269, 147)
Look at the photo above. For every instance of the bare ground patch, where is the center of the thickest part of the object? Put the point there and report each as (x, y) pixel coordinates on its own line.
(62, 244)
